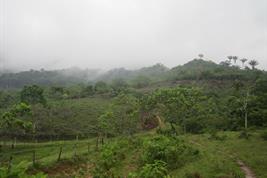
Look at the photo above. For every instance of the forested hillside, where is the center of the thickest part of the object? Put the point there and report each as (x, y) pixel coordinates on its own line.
(197, 69)
(162, 116)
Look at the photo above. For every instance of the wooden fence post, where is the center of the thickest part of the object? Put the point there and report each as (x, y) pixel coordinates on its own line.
(59, 155)
(97, 143)
(15, 142)
(9, 164)
(75, 149)
(33, 157)
(102, 140)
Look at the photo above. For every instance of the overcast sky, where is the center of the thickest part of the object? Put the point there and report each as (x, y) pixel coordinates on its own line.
(129, 33)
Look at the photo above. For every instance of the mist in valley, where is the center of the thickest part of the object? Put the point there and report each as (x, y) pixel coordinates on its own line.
(106, 34)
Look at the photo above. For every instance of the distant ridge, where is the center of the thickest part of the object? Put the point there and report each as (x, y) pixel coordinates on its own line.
(197, 69)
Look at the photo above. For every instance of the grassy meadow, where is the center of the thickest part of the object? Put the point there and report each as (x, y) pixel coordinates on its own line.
(217, 156)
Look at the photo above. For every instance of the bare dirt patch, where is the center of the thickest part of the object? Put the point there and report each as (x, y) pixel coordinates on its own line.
(248, 172)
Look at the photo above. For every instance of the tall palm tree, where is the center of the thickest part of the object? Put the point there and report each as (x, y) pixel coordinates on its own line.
(244, 60)
(200, 56)
(230, 58)
(235, 58)
(253, 63)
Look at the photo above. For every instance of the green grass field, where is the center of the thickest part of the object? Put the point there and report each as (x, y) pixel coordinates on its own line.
(217, 157)
(45, 153)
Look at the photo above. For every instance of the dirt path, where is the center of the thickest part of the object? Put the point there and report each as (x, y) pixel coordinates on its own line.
(248, 172)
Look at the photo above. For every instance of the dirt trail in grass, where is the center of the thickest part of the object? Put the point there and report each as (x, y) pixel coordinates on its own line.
(248, 172)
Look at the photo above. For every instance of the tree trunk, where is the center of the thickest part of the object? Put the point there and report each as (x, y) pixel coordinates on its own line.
(246, 110)
(184, 124)
(246, 120)
(97, 138)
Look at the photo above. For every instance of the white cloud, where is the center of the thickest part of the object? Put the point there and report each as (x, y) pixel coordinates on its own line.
(129, 33)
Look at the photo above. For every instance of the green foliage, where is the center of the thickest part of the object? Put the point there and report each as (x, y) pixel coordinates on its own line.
(141, 81)
(105, 127)
(118, 86)
(214, 135)
(199, 69)
(71, 117)
(110, 157)
(7, 99)
(101, 87)
(88, 91)
(158, 169)
(171, 150)
(32, 95)
(125, 115)
(170, 130)
(18, 171)
(244, 134)
(56, 92)
(177, 105)
(12, 122)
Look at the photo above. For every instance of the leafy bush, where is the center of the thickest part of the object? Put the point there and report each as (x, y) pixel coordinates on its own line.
(244, 134)
(168, 149)
(18, 171)
(215, 136)
(169, 130)
(158, 169)
(110, 156)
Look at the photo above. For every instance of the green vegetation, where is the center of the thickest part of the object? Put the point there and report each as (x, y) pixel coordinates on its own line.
(195, 120)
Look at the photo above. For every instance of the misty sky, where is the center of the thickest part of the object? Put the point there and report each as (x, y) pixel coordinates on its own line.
(129, 33)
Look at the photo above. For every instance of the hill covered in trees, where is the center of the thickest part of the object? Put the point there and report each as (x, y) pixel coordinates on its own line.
(197, 69)
(173, 121)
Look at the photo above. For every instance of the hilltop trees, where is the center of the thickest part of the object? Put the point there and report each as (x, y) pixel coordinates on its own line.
(253, 64)
(235, 59)
(244, 60)
(141, 81)
(201, 56)
(230, 58)
(225, 63)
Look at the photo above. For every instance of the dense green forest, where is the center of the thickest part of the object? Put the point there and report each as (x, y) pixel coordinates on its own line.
(172, 120)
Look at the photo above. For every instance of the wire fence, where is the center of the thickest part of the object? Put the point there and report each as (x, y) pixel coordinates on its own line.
(44, 153)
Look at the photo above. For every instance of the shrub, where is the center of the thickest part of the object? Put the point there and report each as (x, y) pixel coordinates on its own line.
(158, 169)
(18, 171)
(110, 156)
(168, 149)
(244, 134)
(169, 130)
(215, 136)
